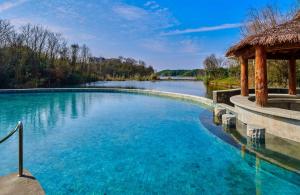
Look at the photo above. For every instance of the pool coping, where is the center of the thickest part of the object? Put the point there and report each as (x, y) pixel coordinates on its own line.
(193, 98)
(13, 184)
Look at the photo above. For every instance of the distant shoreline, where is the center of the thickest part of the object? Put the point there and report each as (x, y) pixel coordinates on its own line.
(177, 78)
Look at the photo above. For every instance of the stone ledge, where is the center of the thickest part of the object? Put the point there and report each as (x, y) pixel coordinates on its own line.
(193, 98)
(13, 184)
(244, 102)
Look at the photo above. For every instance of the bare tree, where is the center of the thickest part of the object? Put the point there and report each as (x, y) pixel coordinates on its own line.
(85, 54)
(212, 62)
(64, 50)
(5, 30)
(74, 55)
(84, 58)
(25, 34)
(53, 46)
(259, 20)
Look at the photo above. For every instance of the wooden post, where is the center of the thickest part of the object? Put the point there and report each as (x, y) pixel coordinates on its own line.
(292, 77)
(244, 76)
(261, 81)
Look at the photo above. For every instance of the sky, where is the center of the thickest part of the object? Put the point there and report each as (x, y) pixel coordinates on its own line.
(167, 34)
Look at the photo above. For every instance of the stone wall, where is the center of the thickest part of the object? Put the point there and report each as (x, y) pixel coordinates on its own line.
(223, 96)
(282, 127)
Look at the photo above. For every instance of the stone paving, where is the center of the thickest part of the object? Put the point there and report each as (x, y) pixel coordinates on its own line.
(13, 184)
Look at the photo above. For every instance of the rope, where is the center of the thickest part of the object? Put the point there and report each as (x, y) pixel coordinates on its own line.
(9, 134)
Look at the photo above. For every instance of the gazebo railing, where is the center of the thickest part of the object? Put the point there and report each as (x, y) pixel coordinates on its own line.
(19, 128)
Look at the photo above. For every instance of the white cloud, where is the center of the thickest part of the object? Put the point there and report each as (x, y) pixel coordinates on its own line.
(152, 4)
(203, 29)
(84, 37)
(155, 45)
(18, 22)
(149, 3)
(10, 4)
(162, 45)
(189, 46)
(129, 12)
(66, 32)
(150, 18)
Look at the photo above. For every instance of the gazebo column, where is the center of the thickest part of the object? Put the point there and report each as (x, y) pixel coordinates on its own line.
(292, 77)
(261, 81)
(244, 76)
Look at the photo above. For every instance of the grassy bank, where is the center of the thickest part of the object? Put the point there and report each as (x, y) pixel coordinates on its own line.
(229, 82)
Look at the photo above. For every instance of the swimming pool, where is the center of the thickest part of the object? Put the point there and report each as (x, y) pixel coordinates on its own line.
(117, 143)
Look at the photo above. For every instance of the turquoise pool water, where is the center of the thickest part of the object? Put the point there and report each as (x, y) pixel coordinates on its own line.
(113, 143)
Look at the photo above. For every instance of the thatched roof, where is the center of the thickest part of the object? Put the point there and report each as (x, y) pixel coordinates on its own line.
(284, 34)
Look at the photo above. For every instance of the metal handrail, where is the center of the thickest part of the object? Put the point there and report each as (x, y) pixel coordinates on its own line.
(19, 128)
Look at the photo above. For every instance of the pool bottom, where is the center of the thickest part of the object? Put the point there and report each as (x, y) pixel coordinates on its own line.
(113, 143)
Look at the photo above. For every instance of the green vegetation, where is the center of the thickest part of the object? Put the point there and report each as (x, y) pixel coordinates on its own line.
(229, 82)
(182, 73)
(221, 72)
(33, 56)
(226, 72)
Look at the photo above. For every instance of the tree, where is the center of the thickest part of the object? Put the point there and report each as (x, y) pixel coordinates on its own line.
(213, 66)
(259, 20)
(74, 54)
(33, 56)
(5, 30)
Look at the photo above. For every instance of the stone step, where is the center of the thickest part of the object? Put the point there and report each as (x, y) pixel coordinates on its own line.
(219, 111)
(13, 184)
(256, 132)
(229, 120)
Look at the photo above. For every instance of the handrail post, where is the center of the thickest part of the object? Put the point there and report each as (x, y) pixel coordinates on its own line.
(20, 127)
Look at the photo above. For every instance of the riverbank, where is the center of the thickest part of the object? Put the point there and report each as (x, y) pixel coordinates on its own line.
(225, 83)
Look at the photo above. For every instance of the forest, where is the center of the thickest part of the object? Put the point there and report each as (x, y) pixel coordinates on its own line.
(181, 73)
(33, 56)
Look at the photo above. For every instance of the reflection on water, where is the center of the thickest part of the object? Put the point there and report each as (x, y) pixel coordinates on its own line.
(188, 87)
(282, 152)
(41, 112)
(275, 149)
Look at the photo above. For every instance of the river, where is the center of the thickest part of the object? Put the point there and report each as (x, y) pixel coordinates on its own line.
(188, 87)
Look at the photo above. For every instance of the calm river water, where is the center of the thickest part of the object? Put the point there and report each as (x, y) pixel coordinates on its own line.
(187, 87)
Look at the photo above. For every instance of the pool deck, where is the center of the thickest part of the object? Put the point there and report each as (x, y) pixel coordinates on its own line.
(13, 184)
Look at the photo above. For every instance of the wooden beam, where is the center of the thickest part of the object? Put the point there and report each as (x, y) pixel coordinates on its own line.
(292, 77)
(244, 76)
(261, 81)
(284, 51)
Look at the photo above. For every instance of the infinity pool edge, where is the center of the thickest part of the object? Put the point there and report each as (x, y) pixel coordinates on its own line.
(203, 101)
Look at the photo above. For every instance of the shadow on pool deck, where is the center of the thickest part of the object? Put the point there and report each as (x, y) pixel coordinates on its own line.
(13, 184)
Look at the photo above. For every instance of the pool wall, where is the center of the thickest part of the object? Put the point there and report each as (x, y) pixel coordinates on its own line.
(208, 103)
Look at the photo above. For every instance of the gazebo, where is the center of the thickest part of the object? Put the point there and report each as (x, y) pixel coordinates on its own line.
(281, 43)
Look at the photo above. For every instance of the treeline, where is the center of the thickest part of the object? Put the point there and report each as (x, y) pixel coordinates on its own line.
(181, 73)
(33, 56)
(218, 68)
(227, 71)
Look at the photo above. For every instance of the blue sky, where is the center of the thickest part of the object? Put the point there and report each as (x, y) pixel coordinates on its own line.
(167, 34)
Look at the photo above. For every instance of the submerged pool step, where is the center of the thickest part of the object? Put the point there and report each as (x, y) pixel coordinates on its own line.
(256, 132)
(229, 120)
